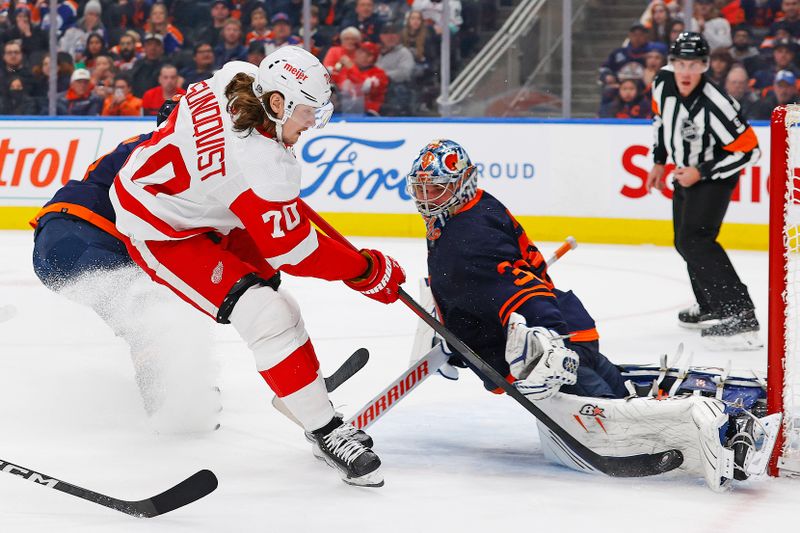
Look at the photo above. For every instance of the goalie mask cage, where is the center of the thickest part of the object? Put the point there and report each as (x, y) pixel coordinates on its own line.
(783, 372)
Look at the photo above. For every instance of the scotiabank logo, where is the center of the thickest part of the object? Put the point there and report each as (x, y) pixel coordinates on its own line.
(637, 162)
(38, 166)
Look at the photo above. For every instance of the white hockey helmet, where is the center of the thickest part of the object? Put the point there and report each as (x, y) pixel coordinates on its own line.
(300, 78)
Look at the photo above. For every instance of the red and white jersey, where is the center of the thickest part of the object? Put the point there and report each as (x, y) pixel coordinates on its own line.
(196, 175)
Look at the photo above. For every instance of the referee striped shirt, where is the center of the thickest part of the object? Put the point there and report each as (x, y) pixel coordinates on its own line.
(704, 130)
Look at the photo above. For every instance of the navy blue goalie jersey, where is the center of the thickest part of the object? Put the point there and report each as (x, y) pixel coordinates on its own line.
(483, 267)
(88, 198)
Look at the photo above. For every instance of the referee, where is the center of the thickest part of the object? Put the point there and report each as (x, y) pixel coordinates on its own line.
(699, 128)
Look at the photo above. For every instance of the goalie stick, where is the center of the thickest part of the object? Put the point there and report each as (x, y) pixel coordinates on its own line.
(625, 466)
(348, 369)
(191, 489)
(421, 370)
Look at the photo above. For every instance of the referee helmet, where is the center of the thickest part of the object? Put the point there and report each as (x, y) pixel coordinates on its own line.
(689, 45)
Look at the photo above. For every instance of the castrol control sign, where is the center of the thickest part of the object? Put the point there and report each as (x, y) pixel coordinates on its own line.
(37, 157)
(584, 178)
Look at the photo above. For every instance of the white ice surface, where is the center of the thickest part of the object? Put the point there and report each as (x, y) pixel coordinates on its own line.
(455, 457)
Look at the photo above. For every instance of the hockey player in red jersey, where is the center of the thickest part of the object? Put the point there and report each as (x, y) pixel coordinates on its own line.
(210, 205)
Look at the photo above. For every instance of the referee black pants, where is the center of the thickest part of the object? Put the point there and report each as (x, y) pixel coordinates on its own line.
(697, 214)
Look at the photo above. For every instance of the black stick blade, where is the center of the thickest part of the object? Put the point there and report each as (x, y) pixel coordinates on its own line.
(349, 368)
(187, 491)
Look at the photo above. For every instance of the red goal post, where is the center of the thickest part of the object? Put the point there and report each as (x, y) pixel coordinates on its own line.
(783, 346)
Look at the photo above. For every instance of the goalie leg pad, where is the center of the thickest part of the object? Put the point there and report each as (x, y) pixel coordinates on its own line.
(642, 425)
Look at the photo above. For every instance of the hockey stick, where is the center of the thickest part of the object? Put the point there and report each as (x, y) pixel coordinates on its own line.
(348, 369)
(191, 489)
(421, 370)
(398, 389)
(569, 244)
(625, 466)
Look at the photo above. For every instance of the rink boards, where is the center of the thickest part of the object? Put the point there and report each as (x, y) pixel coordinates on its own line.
(581, 177)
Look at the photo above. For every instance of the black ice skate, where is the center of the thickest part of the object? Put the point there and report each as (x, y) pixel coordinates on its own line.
(737, 332)
(696, 318)
(336, 445)
(358, 435)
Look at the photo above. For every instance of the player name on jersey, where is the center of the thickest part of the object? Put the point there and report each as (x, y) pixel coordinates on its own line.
(209, 131)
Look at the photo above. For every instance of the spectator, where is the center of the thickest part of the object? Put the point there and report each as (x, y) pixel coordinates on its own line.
(676, 27)
(364, 19)
(145, 72)
(743, 50)
(132, 14)
(157, 23)
(653, 62)
(255, 52)
(332, 12)
(656, 19)
(95, 46)
(126, 52)
(230, 47)
(783, 54)
(203, 65)
(391, 10)
(259, 29)
(41, 77)
(79, 98)
(281, 34)
(635, 50)
(220, 13)
(166, 89)
(121, 102)
(74, 39)
(417, 39)
(66, 15)
(32, 38)
(432, 14)
(14, 65)
(103, 77)
(628, 102)
(784, 91)
(362, 79)
(103, 64)
(342, 55)
(17, 101)
(395, 60)
(715, 29)
(737, 86)
(787, 26)
(720, 62)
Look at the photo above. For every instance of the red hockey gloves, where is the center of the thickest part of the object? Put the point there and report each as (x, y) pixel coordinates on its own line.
(382, 279)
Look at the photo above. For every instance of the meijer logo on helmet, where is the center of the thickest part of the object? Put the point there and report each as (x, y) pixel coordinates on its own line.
(296, 72)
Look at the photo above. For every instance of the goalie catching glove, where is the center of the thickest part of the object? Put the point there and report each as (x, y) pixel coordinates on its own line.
(538, 359)
(382, 279)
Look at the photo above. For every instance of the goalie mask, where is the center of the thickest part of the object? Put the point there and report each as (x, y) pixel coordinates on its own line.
(442, 179)
(302, 81)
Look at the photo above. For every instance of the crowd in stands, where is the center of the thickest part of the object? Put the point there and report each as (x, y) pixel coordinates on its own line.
(125, 57)
(754, 54)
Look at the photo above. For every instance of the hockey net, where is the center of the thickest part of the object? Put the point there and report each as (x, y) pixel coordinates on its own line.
(783, 376)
